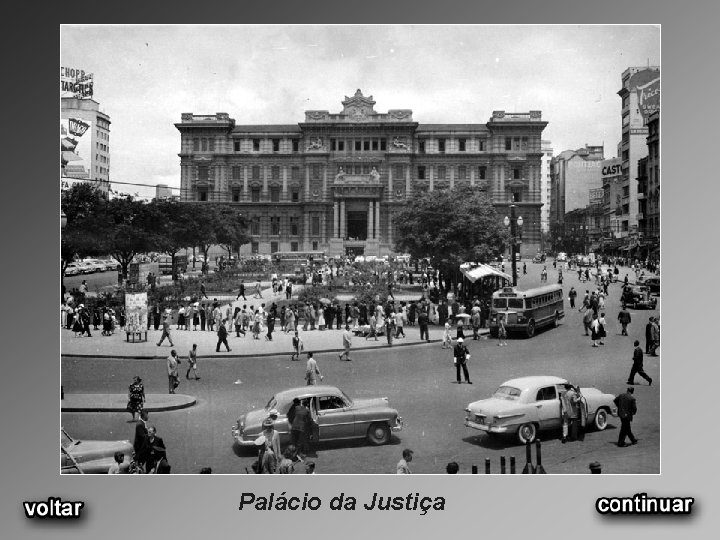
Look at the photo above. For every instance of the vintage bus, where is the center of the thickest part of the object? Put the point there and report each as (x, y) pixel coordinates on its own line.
(526, 311)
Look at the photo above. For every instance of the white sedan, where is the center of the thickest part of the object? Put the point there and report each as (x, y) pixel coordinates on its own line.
(526, 405)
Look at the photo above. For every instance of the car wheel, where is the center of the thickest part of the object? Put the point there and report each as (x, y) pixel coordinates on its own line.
(601, 419)
(556, 320)
(530, 328)
(378, 434)
(527, 433)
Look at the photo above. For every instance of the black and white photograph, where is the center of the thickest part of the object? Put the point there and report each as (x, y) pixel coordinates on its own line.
(360, 249)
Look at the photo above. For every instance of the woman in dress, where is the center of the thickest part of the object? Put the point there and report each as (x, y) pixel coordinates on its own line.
(595, 330)
(290, 320)
(136, 397)
(181, 318)
(602, 328)
(196, 316)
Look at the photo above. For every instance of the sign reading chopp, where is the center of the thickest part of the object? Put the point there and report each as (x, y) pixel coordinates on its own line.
(76, 83)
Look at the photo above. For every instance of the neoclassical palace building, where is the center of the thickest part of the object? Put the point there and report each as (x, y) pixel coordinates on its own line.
(334, 182)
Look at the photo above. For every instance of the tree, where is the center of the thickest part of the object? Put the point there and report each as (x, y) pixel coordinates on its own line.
(450, 227)
(83, 205)
(175, 228)
(231, 230)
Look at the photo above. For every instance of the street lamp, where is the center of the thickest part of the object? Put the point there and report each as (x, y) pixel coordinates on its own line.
(512, 222)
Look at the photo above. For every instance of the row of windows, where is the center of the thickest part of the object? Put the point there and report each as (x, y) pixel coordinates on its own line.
(441, 172)
(293, 229)
(102, 135)
(101, 159)
(203, 144)
(544, 299)
(359, 145)
(101, 170)
(101, 146)
(275, 247)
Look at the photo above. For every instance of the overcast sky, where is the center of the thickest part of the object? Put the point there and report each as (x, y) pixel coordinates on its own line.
(146, 76)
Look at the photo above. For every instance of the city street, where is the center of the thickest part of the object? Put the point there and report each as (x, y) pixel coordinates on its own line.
(419, 382)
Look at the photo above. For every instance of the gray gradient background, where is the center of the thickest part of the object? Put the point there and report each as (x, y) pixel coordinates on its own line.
(189, 507)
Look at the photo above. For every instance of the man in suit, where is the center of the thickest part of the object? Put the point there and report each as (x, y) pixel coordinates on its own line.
(627, 408)
(624, 319)
(157, 461)
(141, 445)
(222, 337)
(638, 366)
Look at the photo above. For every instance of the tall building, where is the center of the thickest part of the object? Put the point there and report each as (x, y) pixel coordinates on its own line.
(613, 196)
(573, 176)
(649, 192)
(335, 181)
(639, 93)
(84, 143)
(547, 154)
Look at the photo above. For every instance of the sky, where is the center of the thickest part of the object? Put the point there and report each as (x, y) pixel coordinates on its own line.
(145, 77)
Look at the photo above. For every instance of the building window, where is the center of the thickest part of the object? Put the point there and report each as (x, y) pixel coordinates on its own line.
(295, 173)
(341, 146)
(256, 172)
(315, 245)
(524, 144)
(275, 194)
(294, 227)
(255, 194)
(275, 172)
(273, 247)
(482, 171)
(421, 172)
(398, 171)
(508, 143)
(254, 248)
(276, 145)
(421, 147)
(366, 169)
(236, 195)
(358, 146)
(256, 145)
(315, 171)
(294, 246)
(315, 225)
(516, 196)
(358, 169)
(275, 226)
(441, 145)
(236, 173)
(236, 146)
(383, 145)
(461, 145)
(333, 145)
(202, 194)
(516, 174)
(626, 191)
(481, 145)
(203, 172)
(295, 195)
(462, 172)
(366, 145)
(441, 172)
(211, 145)
(375, 144)
(295, 145)
(255, 227)
(204, 144)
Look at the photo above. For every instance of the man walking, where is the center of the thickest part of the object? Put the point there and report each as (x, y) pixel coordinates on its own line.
(461, 356)
(624, 319)
(297, 346)
(347, 343)
(202, 290)
(241, 292)
(141, 445)
(572, 294)
(299, 426)
(627, 408)
(654, 336)
(312, 372)
(172, 369)
(192, 361)
(222, 337)
(166, 331)
(571, 402)
(637, 366)
(423, 324)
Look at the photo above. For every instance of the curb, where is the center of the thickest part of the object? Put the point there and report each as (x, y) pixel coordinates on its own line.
(183, 401)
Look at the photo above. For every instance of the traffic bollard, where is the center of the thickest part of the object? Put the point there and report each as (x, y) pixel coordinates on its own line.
(502, 465)
(512, 464)
(474, 469)
(487, 465)
(539, 469)
(528, 469)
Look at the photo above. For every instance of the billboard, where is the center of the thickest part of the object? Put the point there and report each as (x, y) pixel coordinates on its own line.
(75, 83)
(646, 84)
(596, 196)
(75, 148)
(136, 312)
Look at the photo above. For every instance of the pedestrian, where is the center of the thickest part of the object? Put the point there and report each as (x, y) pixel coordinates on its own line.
(399, 323)
(648, 336)
(195, 316)
(241, 292)
(238, 320)
(136, 397)
(476, 319)
(157, 461)
(389, 323)
(347, 343)
(571, 407)
(587, 321)
(654, 336)
(166, 331)
(461, 356)
(403, 464)
(222, 336)
(594, 330)
(502, 330)
(524, 269)
(258, 290)
(627, 408)
(202, 314)
(141, 445)
(637, 366)
(202, 290)
(299, 426)
(624, 319)
(447, 339)
(192, 361)
(460, 331)
(372, 331)
(602, 328)
(572, 295)
(172, 369)
(118, 458)
(423, 321)
(181, 318)
(297, 344)
(312, 371)
(270, 325)
(269, 443)
(85, 319)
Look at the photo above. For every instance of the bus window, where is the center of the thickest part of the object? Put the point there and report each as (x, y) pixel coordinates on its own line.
(516, 303)
(500, 303)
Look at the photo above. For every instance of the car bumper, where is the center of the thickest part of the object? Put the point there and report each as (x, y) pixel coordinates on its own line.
(398, 426)
(484, 427)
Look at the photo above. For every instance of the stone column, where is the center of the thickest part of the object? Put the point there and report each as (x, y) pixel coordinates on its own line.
(324, 189)
(370, 221)
(336, 220)
(342, 220)
(407, 181)
(323, 226)
(246, 194)
(472, 175)
(431, 171)
(307, 182)
(306, 230)
(391, 192)
(265, 180)
(377, 220)
(452, 176)
(284, 179)
(389, 234)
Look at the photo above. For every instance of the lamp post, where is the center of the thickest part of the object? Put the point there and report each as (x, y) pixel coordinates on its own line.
(512, 222)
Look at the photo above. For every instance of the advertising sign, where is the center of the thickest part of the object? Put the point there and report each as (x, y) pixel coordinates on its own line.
(75, 83)
(647, 85)
(136, 312)
(596, 195)
(75, 148)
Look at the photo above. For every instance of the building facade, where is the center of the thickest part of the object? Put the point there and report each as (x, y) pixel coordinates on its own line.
(545, 183)
(85, 143)
(649, 190)
(614, 193)
(573, 175)
(335, 181)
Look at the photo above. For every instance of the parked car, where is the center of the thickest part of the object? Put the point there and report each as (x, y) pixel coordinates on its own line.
(337, 415)
(95, 265)
(524, 406)
(561, 257)
(110, 264)
(653, 284)
(73, 269)
(537, 258)
(91, 457)
(638, 297)
(86, 267)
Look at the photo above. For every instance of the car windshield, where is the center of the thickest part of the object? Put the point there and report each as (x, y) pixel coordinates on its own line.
(346, 398)
(500, 303)
(507, 392)
(272, 404)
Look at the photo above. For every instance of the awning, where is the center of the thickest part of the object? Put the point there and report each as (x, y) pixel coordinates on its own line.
(475, 271)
